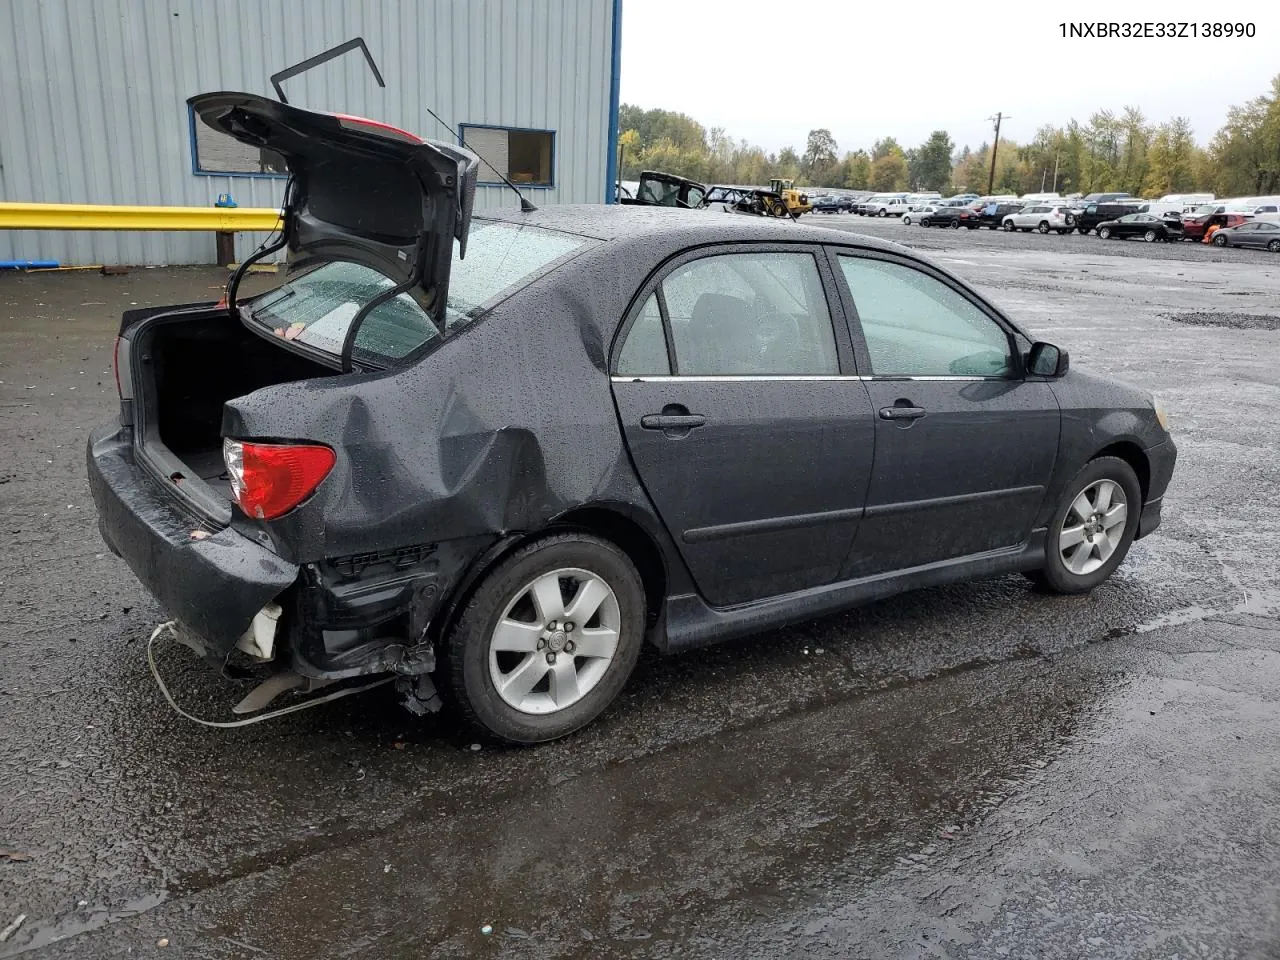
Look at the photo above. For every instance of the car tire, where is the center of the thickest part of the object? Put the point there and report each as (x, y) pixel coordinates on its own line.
(1274, 246)
(882, 213)
(473, 667)
(1070, 569)
(1044, 226)
(925, 222)
(1009, 227)
(1219, 240)
(1104, 233)
(906, 220)
(1150, 236)
(955, 224)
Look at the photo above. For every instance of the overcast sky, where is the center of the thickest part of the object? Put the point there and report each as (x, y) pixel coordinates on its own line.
(771, 71)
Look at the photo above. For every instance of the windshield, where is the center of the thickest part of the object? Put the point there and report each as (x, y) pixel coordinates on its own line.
(316, 308)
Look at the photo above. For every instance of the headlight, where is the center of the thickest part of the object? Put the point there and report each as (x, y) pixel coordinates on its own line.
(1161, 415)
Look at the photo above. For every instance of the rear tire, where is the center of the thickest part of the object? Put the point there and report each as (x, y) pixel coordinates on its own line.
(479, 653)
(1274, 246)
(1085, 549)
(1149, 236)
(955, 224)
(906, 220)
(1009, 227)
(1044, 226)
(926, 222)
(1104, 233)
(882, 213)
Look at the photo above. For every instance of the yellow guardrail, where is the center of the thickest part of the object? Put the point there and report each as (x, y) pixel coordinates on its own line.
(93, 216)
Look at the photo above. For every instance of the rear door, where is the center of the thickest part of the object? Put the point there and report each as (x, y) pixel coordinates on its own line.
(1265, 233)
(745, 419)
(964, 443)
(361, 191)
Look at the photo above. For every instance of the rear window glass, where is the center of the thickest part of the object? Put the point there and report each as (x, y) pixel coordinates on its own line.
(316, 308)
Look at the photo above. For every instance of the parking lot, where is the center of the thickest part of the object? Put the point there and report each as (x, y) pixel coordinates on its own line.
(971, 771)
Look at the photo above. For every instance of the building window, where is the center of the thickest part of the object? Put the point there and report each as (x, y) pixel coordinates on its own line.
(217, 154)
(525, 157)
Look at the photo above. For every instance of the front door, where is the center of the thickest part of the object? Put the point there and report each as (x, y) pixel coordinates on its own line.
(747, 428)
(964, 444)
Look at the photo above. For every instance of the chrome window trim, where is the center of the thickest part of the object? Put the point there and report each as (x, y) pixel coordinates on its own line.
(755, 378)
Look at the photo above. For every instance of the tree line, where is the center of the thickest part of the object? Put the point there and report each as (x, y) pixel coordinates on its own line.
(1110, 152)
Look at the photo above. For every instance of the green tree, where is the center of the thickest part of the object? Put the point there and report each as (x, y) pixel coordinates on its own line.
(889, 173)
(885, 147)
(820, 160)
(929, 166)
(654, 125)
(1245, 154)
(856, 170)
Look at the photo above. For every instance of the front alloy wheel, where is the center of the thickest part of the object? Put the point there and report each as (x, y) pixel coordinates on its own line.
(547, 640)
(1093, 527)
(1149, 236)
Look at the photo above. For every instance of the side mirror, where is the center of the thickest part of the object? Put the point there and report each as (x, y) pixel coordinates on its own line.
(1046, 360)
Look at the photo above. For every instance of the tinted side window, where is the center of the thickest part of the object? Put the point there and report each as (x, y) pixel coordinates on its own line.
(645, 350)
(750, 313)
(917, 326)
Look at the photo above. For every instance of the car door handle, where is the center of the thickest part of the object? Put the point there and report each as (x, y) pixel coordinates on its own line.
(902, 413)
(672, 421)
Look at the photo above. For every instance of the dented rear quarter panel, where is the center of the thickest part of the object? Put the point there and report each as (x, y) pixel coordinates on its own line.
(503, 428)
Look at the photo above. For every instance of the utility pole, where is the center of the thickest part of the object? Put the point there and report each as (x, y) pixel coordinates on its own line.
(1056, 157)
(991, 177)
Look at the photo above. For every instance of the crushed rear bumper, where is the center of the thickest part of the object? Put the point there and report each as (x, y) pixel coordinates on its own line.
(213, 585)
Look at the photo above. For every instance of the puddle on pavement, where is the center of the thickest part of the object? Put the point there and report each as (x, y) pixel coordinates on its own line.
(751, 821)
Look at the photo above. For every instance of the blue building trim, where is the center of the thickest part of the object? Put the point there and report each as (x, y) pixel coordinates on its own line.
(462, 142)
(615, 87)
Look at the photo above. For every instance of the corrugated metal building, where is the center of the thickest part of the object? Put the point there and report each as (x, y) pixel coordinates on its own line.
(93, 103)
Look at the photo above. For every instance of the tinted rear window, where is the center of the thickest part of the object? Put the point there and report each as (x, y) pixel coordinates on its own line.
(316, 308)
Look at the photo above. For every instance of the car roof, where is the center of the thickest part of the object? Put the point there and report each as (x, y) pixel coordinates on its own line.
(676, 228)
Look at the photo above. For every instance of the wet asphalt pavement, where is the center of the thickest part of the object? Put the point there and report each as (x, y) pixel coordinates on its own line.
(965, 772)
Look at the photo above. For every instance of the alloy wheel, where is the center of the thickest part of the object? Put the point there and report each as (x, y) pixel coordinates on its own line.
(1093, 527)
(554, 641)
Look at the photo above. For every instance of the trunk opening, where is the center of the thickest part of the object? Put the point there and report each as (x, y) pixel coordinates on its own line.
(187, 367)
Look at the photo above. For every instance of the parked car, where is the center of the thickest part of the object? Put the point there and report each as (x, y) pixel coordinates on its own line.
(950, 216)
(879, 206)
(992, 215)
(917, 212)
(827, 204)
(1101, 198)
(899, 207)
(1210, 218)
(1086, 219)
(1043, 217)
(363, 472)
(1145, 225)
(1264, 234)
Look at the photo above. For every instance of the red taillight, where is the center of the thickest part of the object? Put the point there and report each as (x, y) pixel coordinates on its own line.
(270, 479)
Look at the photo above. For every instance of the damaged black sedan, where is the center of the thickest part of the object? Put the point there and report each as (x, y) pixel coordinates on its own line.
(496, 455)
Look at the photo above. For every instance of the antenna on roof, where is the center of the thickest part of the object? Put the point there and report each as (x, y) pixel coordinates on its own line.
(319, 58)
(525, 205)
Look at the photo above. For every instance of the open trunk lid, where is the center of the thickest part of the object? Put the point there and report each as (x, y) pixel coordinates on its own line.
(362, 191)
